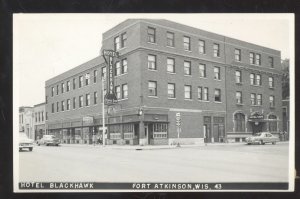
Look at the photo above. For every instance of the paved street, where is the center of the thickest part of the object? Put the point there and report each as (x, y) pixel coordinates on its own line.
(212, 163)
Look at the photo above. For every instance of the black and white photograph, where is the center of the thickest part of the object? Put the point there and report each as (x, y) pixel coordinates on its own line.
(153, 102)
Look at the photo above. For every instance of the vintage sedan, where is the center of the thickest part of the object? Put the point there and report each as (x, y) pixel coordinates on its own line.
(262, 138)
(48, 140)
(25, 142)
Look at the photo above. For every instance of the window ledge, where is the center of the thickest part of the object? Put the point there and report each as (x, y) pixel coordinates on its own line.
(217, 57)
(188, 99)
(151, 43)
(188, 51)
(202, 53)
(218, 102)
(171, 98)
(123, 48)
(239, 83)
(272, 88)
(170, 46)
(188, 75)
(256, 105)
(240, 104)
(203, 77)
(121, 75)
(219, 80)
(171, 73)
(203, 100)
(153, 97)
(154, 70)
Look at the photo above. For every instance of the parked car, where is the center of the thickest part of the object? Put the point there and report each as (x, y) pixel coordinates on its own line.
(48, 140)
(262, 138)
(25, 142)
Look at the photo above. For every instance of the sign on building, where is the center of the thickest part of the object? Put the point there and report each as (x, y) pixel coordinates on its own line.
(178, 119)
(88, 120)
(110, 97)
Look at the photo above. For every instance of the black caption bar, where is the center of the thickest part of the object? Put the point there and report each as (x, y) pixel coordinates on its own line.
(150, 186)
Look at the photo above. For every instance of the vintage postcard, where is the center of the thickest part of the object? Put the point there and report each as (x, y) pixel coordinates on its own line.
(153, 102)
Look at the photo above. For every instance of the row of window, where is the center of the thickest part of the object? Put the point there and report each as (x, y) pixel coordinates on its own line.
(255, 99)
(152, 65)
(39, 116)
(255, 79)
(81, 82)
(66, 104)
(254, 58)
(202, 94)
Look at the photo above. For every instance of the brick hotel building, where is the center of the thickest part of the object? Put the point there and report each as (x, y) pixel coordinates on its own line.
(224, 89)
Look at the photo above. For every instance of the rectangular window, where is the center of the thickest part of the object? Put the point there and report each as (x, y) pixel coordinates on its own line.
(95, 76)
(216, 50)
(118, 68)
(252, 79)
(272, 101)
(124, 91)
(205, 94)
(80, 101)
(186, 43)
(74, 83)
(257, 59)
(251, 55)
(237, 55)
(68, 86)
(46, 115)
(95, 97)
(199, 93)
(68, 104)
(152, 88)
(52, 108)
(217, 95)
(62, 105)
(124, 66)
(217, 73)
(103, 73)
(87, 79)
(170, 39)
(151, 35)
(171, 65)
(187, 68)
(238, 78)
(123, 40)
(57, 106)
(201, 47)
(187, 92)
(118, 92)
(202, 70)
(57, 87)
(171, 90)
(117, 43)
(52, 91)
(258, 99)
(80, 81)
(271, 82)
(62, 87)
(258, 80)
(152, 62)
(271, 62)
(238, 97)
(87, 100)
(46, 99)
(35, 115)
(252, 98)
(42, 114)
(74, 102)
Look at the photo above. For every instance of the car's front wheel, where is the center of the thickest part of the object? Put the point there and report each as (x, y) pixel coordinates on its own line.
(30, 149)
(262, 142)
(273, 142)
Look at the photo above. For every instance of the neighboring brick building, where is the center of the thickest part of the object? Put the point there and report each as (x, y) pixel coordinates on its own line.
(166, 68)
(39, 119)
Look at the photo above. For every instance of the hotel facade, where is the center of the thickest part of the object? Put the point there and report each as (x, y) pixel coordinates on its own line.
(168, 75)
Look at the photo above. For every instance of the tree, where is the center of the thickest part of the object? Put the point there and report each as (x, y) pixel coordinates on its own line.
(285, 78)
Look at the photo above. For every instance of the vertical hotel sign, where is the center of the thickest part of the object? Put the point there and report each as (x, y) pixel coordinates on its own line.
(110, 97)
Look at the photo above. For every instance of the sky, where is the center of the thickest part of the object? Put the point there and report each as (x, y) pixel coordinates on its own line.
(46, 45)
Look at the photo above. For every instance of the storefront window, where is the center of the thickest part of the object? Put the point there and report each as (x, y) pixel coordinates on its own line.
(160, 130)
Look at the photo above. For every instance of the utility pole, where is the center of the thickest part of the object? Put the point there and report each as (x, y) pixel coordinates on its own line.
(103, 114)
